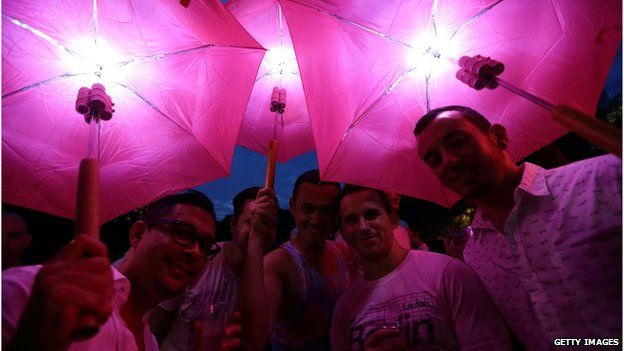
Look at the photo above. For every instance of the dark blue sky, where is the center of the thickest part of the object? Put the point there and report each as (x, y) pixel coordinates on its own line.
(248, 167)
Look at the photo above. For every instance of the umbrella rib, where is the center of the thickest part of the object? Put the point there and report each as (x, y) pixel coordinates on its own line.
(370, 30)
(45, 81)
(95, 22)
(152, 105)
(386, 92)
(42, 35)
(432, 25)
(140, 59)
(474, 18)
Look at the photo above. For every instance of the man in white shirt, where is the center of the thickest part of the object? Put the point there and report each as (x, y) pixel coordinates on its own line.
(77, 301)
(547, 243)
(408, 299)
(218, 281)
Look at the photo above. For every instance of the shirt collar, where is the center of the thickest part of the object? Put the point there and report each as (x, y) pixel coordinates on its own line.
(121, 285)
(533, 182)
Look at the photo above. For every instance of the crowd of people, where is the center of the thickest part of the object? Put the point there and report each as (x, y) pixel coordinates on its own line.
(543, 261)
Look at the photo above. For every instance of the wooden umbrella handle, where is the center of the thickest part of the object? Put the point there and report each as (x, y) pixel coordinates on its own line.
(597, 132)
(88, 200)
(87, 222)
(269, 181)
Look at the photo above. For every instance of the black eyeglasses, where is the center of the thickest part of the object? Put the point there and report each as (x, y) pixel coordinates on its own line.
(184, 234)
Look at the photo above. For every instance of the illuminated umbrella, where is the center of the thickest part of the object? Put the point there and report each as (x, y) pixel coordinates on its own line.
(277, 81)
(180, 78)
(370, 69)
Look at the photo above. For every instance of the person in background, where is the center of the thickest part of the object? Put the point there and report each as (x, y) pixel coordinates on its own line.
(15, 239)
(408, 299)
(173, 320)
(455, 243)
(77, 301)
(289, 296)
(547, 244)
(402, 234)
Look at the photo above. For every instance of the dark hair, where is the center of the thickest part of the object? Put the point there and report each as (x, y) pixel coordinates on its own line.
(241, 198)
(471, 115)
(312, 177)
(17, 216)
(351, 189)
(163, 206)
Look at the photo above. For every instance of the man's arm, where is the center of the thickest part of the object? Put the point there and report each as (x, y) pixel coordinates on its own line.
(260, 289)
(476, 321)
(72, 293)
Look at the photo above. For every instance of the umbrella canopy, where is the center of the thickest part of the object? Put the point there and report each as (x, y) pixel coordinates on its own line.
(169, 72)
(371, 68)
(264, 20)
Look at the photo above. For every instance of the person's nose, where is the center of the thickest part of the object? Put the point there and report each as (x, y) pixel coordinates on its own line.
(363, 224)
(194, 249)
(450, 160)
(315, 218)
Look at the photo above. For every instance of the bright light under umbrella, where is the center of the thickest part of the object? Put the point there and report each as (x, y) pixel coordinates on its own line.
(281, 63)
(99, 61)
(430, 53)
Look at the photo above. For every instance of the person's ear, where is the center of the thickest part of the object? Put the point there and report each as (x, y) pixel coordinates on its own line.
(500, 135)
(136, 233)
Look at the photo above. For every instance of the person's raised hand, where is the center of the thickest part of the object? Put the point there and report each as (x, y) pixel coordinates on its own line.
(264, 213)
(71, 298)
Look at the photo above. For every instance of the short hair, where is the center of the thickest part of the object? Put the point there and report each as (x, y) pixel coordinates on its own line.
(241, 198)
(471, 115)
(351, 189)
(313, 177)
(6, 214)
(163, 206)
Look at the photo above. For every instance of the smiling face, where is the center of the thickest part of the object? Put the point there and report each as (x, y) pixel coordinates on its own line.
(366, 224)
(465, 159)
(159, 264)
(315, 210)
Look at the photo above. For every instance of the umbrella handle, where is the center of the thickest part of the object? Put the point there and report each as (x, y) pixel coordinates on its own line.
(87, 222)
(597, 132)
(88, 199)
(269, 182)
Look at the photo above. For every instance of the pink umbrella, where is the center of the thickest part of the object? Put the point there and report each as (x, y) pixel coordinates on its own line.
(180, 78)
(264, 20)
(371, 68)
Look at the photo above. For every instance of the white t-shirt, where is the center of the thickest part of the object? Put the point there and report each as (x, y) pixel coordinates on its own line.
(214, 284)
(439, 303)
(17, 284)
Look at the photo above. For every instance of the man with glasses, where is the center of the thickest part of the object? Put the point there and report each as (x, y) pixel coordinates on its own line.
(78, 301)
(218, 281)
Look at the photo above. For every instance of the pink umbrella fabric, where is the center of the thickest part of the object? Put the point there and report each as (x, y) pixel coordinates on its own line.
(169, 70)
(265, 22)
(370, 69)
